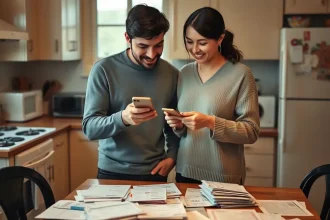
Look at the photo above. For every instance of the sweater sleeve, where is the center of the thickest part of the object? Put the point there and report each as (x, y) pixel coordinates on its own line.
(245, 129)
(97, 123)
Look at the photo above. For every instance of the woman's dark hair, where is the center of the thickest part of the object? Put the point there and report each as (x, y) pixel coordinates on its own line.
(146, 22)
(209, 23)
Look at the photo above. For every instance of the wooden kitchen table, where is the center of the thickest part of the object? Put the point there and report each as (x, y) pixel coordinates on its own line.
(269, 193)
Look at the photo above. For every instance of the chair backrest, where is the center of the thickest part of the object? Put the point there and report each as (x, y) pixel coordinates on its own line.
(11, 190)
(308, 181)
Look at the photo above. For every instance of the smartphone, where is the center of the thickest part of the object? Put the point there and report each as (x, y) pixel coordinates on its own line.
(142, 102)
(172, 112)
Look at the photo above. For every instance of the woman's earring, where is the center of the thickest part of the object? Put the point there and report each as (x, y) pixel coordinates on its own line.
(219, 48)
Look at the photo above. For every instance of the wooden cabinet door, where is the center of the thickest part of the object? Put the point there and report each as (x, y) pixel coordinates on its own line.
(179, 11)
(256, 26)
(260, 162)
(83, 158)
(22, 14)
(71, 29)
(306, 7)
(61, 166)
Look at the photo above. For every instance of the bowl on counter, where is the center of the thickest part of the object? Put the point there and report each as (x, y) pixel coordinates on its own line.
(299, 21)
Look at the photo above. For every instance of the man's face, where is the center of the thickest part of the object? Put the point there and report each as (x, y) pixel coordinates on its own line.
(146, 52)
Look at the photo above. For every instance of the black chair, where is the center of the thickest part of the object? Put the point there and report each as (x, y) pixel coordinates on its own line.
(308, 181)
(11, 190)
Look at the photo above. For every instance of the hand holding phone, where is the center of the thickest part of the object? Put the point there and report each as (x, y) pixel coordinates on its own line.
(172, 112)
(142, 102)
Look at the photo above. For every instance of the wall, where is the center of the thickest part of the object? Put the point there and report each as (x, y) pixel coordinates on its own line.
(7, 71)
(69, 74)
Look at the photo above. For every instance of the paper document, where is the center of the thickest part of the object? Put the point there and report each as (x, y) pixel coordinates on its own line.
(283, 207)
(163, 211)
(120, 210)
(194, 198)
(225, 214)
(148, 195)
(195, 215)
(171, 189)
(106, 191)
(264, 216)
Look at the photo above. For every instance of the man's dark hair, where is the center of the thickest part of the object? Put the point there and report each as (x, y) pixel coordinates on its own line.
(146, 22)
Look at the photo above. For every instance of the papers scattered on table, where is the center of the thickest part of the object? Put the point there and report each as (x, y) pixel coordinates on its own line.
(148, 195)
(194, 198)
(283, 207)
(63, 209)
(98, 193)
(172, 190)
(195, 215)
(224, 214)
(119, 210)
(163, 211)
(227, 195)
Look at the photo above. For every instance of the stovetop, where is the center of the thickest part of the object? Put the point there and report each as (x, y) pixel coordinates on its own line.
(12, 137)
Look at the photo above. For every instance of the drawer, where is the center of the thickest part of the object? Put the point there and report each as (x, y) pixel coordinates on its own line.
(60, 139)
(257, 181)
(261, 146)
(259, 165)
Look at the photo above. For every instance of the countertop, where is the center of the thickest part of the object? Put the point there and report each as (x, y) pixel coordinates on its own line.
(66, 124)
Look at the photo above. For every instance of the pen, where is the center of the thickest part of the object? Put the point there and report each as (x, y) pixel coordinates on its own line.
(79, 208)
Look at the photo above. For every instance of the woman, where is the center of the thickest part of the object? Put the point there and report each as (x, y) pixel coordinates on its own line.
(218, 99)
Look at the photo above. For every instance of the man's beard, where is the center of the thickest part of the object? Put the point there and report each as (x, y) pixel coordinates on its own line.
(139, 60)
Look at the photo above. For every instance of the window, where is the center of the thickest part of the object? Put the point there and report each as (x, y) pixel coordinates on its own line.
(110, 23)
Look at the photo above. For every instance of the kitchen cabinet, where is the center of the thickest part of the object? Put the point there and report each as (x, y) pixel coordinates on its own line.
(22, 14)
(178, 12)
(59, 29)
(61, 166)
(256, 26)
(53, 27)
(83, 158)
(260, 162)
(307, 7)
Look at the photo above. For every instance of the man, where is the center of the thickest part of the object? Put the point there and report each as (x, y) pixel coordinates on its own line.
(132, 140)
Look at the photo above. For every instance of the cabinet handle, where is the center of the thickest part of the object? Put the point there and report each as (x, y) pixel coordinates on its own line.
(53, 173)
(49, 174)
(294, 2)
(323, 2)
(59, 144)
(56, 45)
(74, 45)
(30, 45)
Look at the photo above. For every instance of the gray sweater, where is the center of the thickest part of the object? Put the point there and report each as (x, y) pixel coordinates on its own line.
(231, 96)
(112, 83)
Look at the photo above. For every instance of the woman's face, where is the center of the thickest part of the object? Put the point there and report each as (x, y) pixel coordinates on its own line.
(202, 49)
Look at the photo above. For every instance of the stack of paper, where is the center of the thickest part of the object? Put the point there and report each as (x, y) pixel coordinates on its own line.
(148, 195)
(98, 193)
(194, 198)
(172, 190)
(227, 195)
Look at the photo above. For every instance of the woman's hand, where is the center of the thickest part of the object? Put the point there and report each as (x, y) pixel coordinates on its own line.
(173, 121)
(197, 120)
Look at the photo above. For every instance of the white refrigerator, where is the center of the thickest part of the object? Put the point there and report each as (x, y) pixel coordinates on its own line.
(304, 108)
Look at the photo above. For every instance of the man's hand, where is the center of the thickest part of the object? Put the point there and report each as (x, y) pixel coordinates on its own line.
(197, 120)
(163, 167)
(136, 116)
